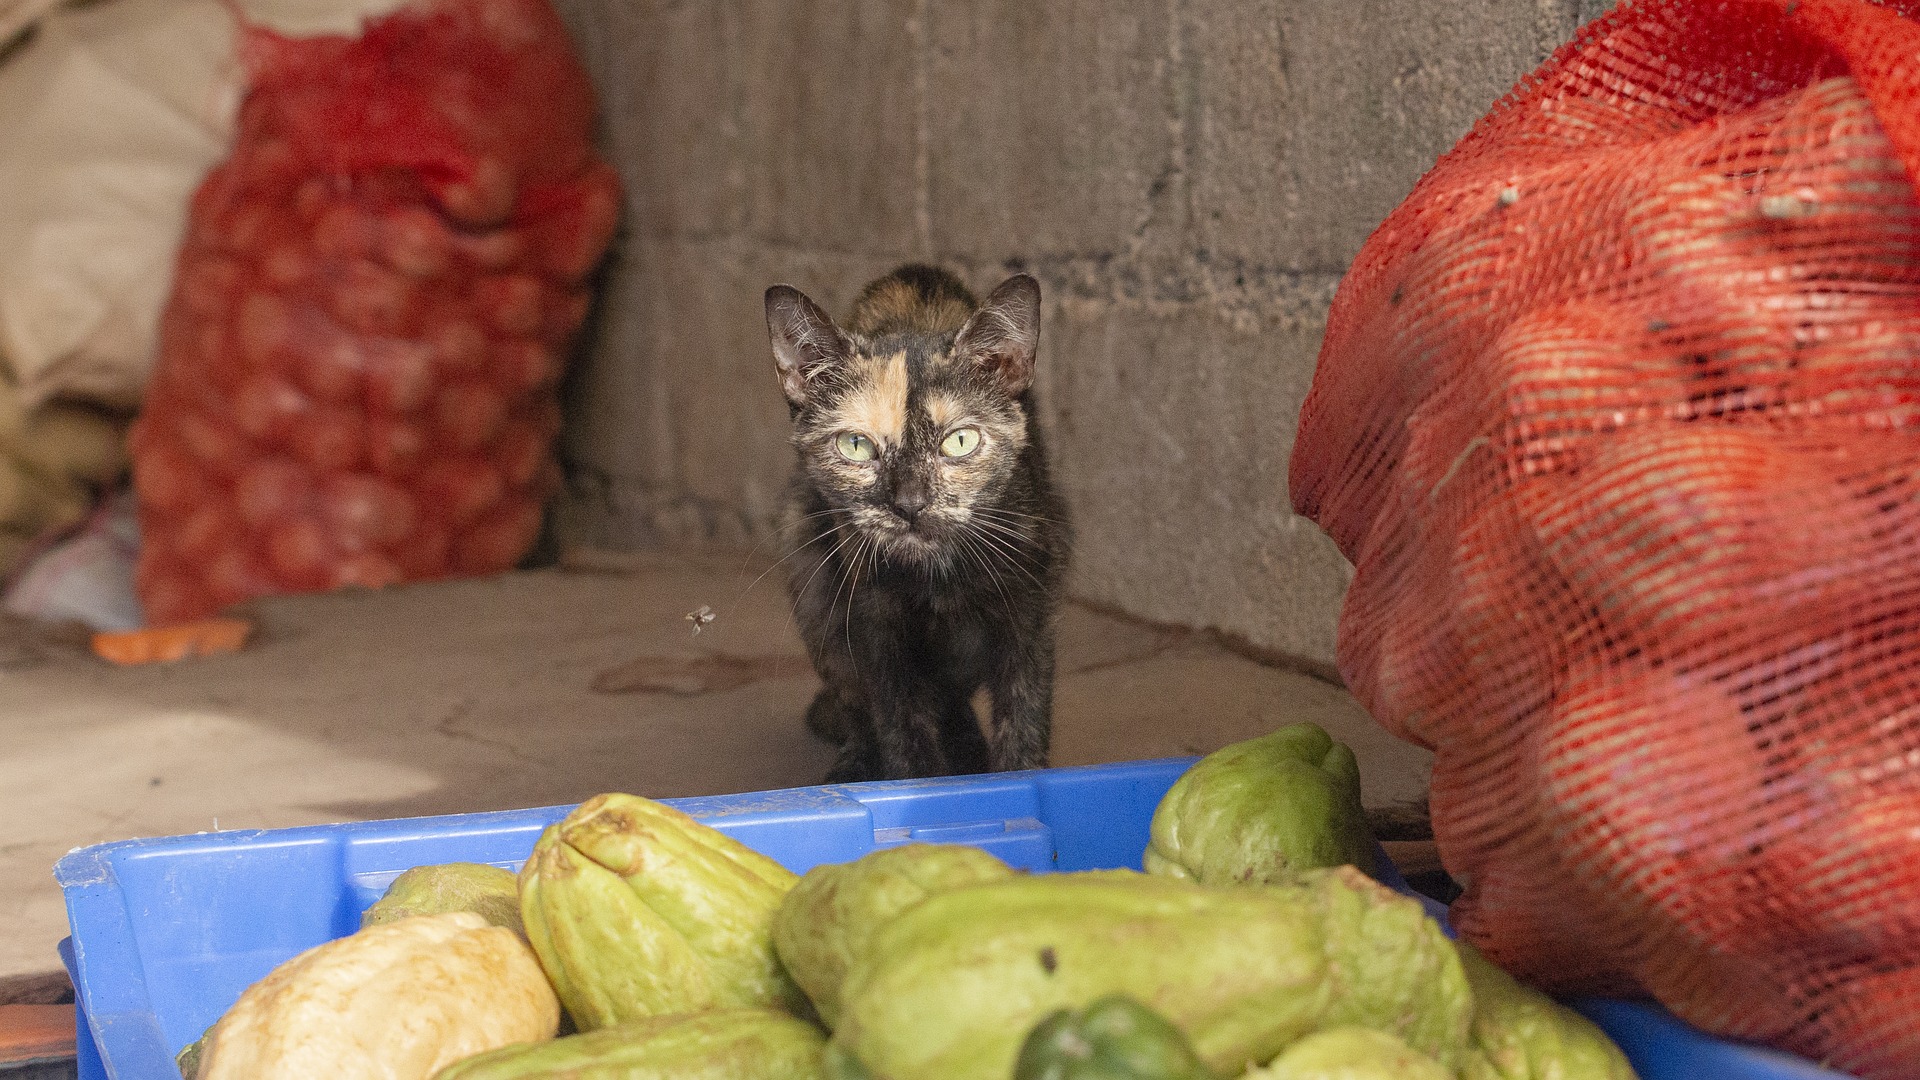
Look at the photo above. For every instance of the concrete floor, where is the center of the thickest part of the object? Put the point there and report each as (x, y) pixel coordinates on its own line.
(482, 696)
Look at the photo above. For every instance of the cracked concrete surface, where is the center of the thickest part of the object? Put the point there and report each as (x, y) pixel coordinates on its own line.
(480, 696)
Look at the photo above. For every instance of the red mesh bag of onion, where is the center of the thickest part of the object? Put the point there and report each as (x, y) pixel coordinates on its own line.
(371, 310)
(1618, 419)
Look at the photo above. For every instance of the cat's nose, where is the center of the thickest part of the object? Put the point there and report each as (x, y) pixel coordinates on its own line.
(909, 500)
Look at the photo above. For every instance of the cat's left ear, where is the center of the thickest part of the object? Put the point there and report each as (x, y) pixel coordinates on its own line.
(1003, 336)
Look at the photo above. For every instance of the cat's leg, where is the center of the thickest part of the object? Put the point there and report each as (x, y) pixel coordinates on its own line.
(831, 718)
(1022, 689)
(908, 712)
(858, 759)
(902, 744)
(896, 693)
(965, 746)
(908, 738)
(893, 718)
(838, 716)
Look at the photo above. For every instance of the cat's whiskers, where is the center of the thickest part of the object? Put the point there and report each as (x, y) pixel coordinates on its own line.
(986, 568)
(852, 588)
(823, 564)
(816, 514)
(1001, 558)
(1019, 538)
(1009, 553)
(1024, 535)
(775, 534)
(742, 594)
(1001, 511)
(840, 582)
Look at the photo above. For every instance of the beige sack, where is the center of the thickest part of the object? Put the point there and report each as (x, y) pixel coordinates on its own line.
(109, 117)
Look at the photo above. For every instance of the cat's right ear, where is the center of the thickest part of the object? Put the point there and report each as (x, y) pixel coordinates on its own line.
(805, 341)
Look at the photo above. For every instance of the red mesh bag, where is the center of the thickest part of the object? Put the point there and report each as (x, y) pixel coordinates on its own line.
(370, 312)
(1618, 420)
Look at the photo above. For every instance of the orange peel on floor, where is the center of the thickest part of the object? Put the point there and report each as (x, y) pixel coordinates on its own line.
(179, 641)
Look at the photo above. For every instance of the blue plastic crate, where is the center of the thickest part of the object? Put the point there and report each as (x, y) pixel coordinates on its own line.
(166, 933)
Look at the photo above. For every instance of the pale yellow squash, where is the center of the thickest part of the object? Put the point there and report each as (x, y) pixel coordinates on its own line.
(399, 1001)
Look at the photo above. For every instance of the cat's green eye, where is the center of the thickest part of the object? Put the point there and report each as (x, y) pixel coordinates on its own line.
(854, 446)
(960, 442)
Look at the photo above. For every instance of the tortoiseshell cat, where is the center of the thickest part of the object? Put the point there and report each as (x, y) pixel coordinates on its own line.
(929, 548)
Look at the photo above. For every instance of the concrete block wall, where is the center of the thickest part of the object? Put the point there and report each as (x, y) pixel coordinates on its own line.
(1187, 178)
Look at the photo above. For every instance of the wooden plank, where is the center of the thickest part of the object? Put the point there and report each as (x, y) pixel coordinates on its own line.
(35, 1032)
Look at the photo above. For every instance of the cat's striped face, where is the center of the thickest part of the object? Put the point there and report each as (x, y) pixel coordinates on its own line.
(910, 436)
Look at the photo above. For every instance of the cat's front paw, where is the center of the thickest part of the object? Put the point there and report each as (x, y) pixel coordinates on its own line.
(856, 764)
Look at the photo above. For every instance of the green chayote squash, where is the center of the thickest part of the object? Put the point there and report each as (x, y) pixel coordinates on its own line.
(1520, 1033)
(637, 910)
(828, 918)
(1393, 967)
(1261, 811)
(1351, 1053)
(950, 988)
(488, 891)
(725, 1044)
